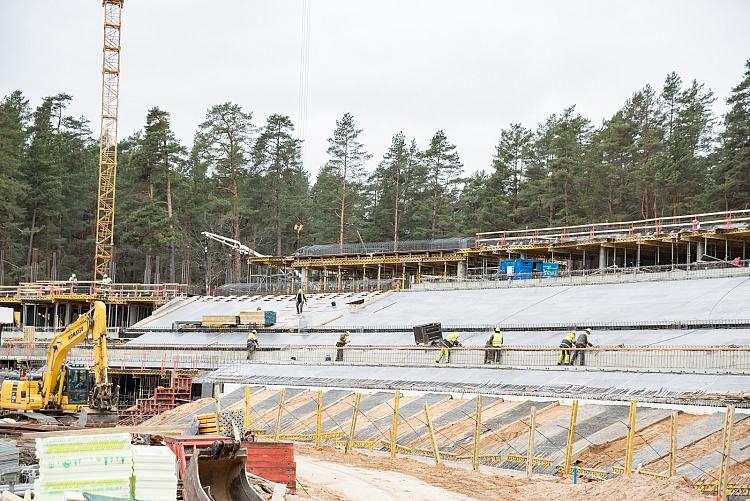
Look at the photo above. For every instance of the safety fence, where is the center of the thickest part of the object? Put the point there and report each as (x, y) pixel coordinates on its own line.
(590, 441)
(716, 360)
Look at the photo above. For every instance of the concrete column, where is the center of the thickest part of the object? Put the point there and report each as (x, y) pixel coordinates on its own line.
(602, 257)
(638, 255)
(305, 274)
(461, 273)
(699, 250)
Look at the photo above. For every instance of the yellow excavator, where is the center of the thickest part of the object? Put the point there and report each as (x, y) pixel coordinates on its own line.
(61, 387)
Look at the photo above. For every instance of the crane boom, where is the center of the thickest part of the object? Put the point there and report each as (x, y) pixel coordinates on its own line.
(105, 210)
(234, 244)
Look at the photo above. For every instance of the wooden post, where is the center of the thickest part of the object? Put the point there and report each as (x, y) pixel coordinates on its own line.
(217, 397)
(247, 408)
(571, 437)
(477, 433)
(532, 433)
(725, 451)
(353, 426)
(673, 446)
(435, 450)
(394, 423)
(318, 418)
(629, 439)
(277, 431)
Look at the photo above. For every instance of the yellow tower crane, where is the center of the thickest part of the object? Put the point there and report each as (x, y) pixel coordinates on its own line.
(105, 210)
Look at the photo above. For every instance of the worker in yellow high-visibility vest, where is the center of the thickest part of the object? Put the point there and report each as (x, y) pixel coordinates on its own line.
(445, 346)
(495, 344)
(252, 343)
(565, 345)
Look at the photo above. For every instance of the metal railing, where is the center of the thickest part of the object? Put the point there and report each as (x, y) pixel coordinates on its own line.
(438, 244)
(718, 269)
(97, 289)
(692, 223)
(714, 360)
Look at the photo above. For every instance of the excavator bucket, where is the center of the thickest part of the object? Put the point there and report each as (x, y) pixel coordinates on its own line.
(218, 474)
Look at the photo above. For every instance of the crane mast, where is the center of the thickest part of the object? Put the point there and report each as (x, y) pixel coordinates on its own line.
(105, 210)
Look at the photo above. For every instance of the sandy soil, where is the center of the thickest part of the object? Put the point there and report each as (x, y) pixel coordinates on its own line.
(267, 419)
(308, 421)
(484, 486)
(417, 420)
(450, 436)
(491, 441)
(702, 447)
(365, 420)
(614, 450)
(362, 484)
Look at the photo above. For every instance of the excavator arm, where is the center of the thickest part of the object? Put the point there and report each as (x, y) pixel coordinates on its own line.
(93, 322)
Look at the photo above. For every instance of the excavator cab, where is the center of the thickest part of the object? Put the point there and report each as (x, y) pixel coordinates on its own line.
(77, 385)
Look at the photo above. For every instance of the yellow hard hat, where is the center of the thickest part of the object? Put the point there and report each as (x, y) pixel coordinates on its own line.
(497, 329)
(588, 330)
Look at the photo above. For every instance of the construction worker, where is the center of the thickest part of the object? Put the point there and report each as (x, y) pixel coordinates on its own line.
(73, 278)
(106, 280)
(252, 343)
(445, 346)
(301, 299)
(343, 341)
(565, 345)
(494, 344)
(582, 341)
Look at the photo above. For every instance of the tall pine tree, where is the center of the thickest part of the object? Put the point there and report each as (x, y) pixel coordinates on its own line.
(732, 171)
(223, 141)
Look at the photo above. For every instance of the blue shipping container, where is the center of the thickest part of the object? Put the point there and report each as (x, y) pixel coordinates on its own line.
(550, 270)
(269, 317)
(526, 268)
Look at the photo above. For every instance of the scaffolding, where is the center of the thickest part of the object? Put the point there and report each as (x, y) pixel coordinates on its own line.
(707, 240)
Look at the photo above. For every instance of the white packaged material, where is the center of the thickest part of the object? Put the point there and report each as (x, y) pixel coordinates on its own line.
(100, 464)
(154, 473)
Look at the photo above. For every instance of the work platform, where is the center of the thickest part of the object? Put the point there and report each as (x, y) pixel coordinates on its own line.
(55, 304)
(678, 241)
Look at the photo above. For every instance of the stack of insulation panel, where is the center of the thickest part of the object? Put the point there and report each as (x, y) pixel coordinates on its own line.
(9, 454)
(154, 473)
(99, 464)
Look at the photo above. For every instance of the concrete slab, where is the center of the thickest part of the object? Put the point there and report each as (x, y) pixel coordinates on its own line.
(720, 298)
(624, 385)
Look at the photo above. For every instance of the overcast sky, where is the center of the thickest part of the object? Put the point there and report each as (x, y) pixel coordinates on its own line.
(467, 67)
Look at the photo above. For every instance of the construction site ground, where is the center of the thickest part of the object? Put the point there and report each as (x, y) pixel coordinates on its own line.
(321, 470)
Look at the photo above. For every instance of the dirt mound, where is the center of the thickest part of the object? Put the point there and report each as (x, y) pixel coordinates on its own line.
(633, 488)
